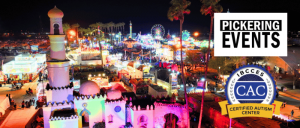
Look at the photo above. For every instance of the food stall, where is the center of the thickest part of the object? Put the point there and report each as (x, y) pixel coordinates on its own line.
(39, 58)
(20, 67)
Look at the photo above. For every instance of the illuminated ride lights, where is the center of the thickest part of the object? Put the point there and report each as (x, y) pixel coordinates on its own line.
(185, 35)
(157, 31)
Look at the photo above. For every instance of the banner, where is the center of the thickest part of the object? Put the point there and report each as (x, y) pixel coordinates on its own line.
(250, 109)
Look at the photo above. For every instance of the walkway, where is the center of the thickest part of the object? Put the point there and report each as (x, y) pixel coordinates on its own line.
(20, 95)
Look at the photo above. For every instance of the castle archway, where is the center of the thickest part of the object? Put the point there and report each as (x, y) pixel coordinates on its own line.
(171, 120)
(85, 114)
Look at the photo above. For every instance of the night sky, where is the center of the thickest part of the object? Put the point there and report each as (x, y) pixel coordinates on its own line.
(23, 15)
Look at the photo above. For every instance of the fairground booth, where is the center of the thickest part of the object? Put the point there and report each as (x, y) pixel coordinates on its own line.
(101, 80)
(87, 56)
(25, 66)
(3, 77)
(19, 69)
(39, 58)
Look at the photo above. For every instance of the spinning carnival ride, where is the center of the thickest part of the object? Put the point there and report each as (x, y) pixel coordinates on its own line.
(185, 35)
(157, 31)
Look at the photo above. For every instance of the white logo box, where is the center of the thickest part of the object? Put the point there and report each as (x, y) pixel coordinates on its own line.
(258, 21)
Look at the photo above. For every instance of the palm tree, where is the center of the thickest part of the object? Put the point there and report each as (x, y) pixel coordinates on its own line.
(174, 49)
(100, 24)
(204, 52)
(117, 27)
(112, 25)
(89, 33)
(208, 7)
(237, 61)
(66, 27)
(93, 27)
(99, 39)
(108, 27)
(123, 24)
(81, 30)
(103, 27)
(177, 11)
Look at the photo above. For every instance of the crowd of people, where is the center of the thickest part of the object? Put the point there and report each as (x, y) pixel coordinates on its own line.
(27, 104)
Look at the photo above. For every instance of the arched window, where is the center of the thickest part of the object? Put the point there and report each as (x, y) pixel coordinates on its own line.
(56, 29)
(143, 121)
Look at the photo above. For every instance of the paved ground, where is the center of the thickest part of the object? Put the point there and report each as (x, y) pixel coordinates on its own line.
(19, 95)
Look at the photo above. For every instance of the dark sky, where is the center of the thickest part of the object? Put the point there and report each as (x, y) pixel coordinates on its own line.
(23, 15)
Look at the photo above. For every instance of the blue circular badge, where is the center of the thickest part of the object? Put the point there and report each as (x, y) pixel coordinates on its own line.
(250, 84)
(117, 109)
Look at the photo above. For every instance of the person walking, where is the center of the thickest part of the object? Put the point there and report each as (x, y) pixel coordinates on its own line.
(23, 104)
(292, 113)
(284, 104)
(12, 102)
(33, 101)
(15, 106)
(30, 101)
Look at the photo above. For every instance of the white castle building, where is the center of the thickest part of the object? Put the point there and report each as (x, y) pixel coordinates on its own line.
(88, 108)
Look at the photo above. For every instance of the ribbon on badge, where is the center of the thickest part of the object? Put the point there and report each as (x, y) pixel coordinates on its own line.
(250, 109)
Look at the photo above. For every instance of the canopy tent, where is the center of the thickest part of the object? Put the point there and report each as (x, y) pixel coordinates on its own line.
(121, 72)
(4, 104)
(131, 63)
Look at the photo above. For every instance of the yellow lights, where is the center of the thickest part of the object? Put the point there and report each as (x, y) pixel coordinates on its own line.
(103, 74)
(99, 74)
(196, 34)
(177, 45)
(72, 33)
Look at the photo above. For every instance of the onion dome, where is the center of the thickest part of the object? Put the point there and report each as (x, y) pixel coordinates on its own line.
(55, 13)
(89, 88)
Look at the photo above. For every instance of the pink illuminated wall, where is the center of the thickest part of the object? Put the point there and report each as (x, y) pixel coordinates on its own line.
(58, 73)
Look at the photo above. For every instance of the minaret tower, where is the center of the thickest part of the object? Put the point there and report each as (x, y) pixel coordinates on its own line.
(58, 73)
(130, 29)
(58, 66)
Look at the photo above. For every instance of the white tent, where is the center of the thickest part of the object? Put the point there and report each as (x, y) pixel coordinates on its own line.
(4, 104)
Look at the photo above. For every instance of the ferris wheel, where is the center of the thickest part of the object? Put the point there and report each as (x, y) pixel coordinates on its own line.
(157, 31)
